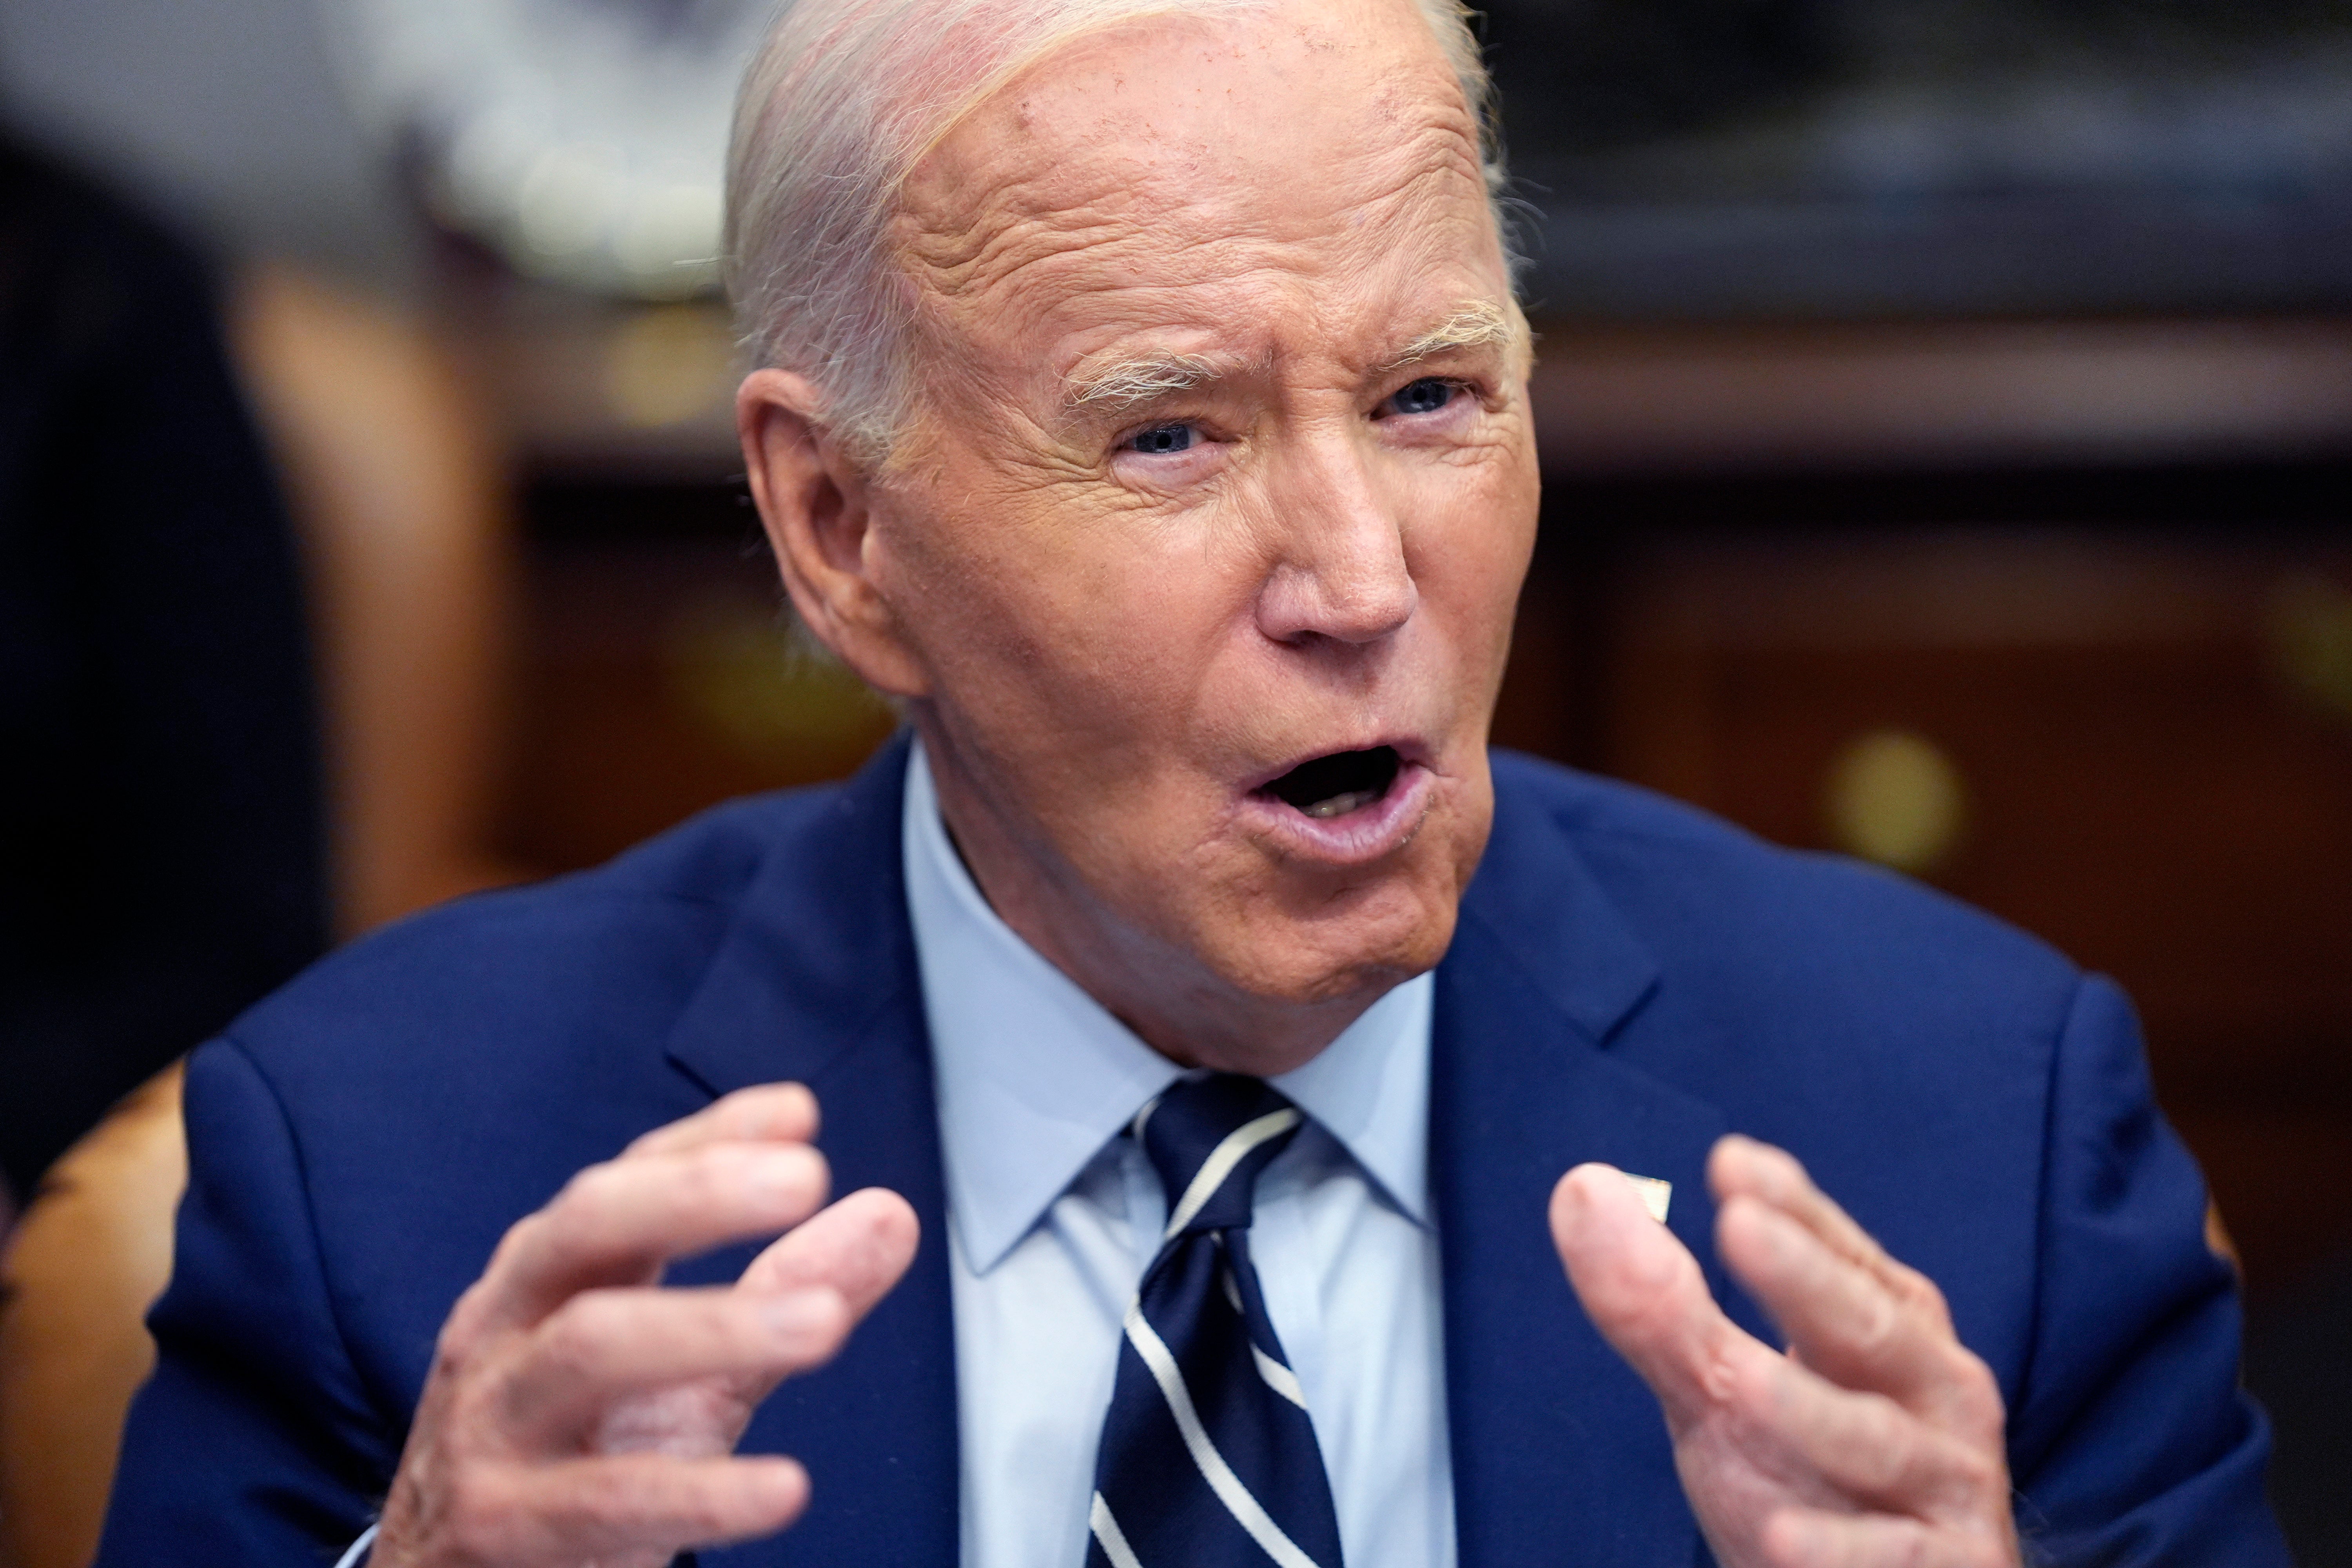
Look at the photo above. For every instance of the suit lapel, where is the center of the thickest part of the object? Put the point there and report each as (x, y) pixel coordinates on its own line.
(1560, 1452)
(818, 982)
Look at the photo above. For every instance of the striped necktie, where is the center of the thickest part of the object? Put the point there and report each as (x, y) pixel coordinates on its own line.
(1208, 1459)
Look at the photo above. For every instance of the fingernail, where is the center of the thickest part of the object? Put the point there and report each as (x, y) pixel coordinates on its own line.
(794, 1106)
(1574, 1189)
(781, 1170)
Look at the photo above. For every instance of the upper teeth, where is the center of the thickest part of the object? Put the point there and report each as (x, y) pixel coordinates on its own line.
(1341, 804)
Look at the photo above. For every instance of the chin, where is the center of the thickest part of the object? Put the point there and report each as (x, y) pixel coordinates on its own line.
(1379, 938)
(1338, 905)
(1305, 981)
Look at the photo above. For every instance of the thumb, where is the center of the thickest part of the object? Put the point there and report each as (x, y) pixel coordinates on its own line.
(1642, 1289)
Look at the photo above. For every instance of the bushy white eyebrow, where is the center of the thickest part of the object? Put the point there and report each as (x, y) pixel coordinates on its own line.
(1124, 383)
(1117, 385)
(1475, 323)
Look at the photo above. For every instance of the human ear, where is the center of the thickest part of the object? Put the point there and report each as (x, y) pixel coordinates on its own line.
(818, 509)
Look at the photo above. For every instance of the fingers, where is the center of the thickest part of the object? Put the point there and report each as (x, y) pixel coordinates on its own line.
(1644, 1292)
(1846, 1322)
(1740, 1166)
(791, 1310)
(617, 1224)
(767, 1112)
(1878, 1442)
(602, 1345)
(1872, 1451)
(1849, 1312)
(576, 1412)
(1813, 1538)
(636, 1506)
(859, 1246)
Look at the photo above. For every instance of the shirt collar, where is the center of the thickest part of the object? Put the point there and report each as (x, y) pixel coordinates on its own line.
(1034, 1076)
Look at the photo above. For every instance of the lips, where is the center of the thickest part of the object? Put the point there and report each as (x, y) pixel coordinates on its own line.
(1343, 808)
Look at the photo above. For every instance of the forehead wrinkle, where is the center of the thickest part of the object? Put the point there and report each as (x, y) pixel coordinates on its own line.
(1209, 254)
(1000, 242)
(1024, 254)
(1051, 207)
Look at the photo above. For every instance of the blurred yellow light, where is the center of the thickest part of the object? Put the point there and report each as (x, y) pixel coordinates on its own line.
(2311, 640)
(668, 364)
(1895, 797)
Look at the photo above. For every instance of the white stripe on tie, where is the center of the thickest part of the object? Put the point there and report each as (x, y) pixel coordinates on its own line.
(1114, 1540)
(1247, 1512)
(358, 1549)
(1221, 1161)
(1279, 1378)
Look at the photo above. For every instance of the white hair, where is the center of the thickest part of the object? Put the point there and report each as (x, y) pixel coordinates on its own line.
(839, 105)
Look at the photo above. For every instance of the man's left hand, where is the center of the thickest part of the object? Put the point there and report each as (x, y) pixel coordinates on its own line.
(1876, 1439)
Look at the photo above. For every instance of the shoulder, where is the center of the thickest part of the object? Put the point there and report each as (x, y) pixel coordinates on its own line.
(1906, 1047)
(542, 993)
(618, 929)
(405, 1100)
(1707, 897)
(1900, 1042)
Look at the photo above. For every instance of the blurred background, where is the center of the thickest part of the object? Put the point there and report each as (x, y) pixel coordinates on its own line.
(1945, 410)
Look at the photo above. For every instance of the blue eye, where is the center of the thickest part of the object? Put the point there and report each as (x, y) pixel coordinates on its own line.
(1427, 395)
(1161, 439)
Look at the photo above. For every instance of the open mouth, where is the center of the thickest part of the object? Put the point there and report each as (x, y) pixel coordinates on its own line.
(1337, 784)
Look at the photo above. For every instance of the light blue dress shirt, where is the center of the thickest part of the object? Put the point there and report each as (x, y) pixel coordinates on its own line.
(1053, 1215)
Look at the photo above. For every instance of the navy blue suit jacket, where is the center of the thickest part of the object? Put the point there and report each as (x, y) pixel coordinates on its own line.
(1630, 981)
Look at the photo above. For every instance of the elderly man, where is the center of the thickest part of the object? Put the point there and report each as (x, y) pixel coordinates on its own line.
(1204, 1016)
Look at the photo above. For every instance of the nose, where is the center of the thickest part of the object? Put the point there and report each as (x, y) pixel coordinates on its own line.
(1339, 572)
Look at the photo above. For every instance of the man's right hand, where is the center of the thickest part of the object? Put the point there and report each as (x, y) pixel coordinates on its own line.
(578, 1413)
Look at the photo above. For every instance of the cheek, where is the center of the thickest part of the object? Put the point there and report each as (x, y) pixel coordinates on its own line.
(1172, 657)
(1068, 618)
(1469, 553)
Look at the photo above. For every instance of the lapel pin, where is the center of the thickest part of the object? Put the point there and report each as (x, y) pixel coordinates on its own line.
(1655, 1194)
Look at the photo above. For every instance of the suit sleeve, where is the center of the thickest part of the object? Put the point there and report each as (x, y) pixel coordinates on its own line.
(255, 1442)
(2131, 1442)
